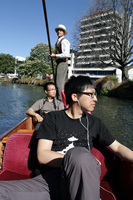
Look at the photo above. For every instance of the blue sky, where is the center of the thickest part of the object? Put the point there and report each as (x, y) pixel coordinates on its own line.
(22, 23)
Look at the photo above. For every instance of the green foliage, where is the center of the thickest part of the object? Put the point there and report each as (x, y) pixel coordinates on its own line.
(105, 91)
(7, 63)
(37, 63)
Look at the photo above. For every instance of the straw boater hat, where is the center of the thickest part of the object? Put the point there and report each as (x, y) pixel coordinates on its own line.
(60, 26)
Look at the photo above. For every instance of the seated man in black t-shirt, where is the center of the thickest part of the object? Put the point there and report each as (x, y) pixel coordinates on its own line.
(65, 138)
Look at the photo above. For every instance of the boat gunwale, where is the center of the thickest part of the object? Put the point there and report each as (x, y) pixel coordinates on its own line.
(17, 126)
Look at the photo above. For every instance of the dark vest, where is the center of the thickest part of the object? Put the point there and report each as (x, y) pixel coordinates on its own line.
(58, 47)
(59, 51)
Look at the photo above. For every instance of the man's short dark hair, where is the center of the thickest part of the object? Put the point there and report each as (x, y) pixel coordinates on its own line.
(76, 85)
(45, 87)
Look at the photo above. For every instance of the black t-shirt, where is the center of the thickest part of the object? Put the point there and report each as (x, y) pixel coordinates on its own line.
(67, 133)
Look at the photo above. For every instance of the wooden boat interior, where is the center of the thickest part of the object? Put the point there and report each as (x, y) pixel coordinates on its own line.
(19, 161)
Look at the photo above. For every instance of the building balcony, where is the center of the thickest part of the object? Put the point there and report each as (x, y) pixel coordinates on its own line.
(93, 43)
(96, 30)
(94, 50)
(95, 62)
(96, 23)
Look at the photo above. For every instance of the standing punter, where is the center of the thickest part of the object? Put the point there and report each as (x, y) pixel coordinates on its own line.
(61, 56)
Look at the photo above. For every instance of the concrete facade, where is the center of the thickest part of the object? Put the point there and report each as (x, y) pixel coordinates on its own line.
(95, 27)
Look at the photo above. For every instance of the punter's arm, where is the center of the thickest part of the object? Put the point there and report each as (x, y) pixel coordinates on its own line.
(31, 112)
(46, 156)
(122, 151)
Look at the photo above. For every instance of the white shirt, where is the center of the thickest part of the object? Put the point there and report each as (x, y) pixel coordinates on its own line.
(65, 47)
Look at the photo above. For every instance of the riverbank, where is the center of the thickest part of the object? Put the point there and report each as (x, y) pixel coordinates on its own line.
(107, 86)
(28, 81)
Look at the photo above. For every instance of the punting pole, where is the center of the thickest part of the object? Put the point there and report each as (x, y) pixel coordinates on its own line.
(46, 21)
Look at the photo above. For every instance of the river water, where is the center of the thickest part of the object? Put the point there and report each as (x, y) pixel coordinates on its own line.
(117, 114)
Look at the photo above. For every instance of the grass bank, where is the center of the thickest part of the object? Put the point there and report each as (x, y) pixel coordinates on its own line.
(28, 81)
(109, 86)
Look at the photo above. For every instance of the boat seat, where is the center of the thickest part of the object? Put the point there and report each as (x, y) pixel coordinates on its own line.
(25, 130)
(64, 99)
(4, 140)
(106, 191)
(20, 161)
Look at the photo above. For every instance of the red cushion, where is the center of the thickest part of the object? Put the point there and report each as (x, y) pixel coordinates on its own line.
(101, 158)
(64, 99)
(16, 153)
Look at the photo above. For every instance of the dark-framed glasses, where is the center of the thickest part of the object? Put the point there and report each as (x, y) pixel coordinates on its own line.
(90, 94)
(51, 89)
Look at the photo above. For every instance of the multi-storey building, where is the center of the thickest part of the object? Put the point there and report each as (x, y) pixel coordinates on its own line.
(95, 42)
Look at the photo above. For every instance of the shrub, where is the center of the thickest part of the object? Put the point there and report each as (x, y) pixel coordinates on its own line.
(105, 91)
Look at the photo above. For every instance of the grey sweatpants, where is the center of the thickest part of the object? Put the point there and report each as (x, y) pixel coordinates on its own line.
(80, 180)
(61, 71)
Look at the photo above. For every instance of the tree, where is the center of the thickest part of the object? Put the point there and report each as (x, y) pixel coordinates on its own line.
(37, 63)
(117, 15)
(7, 63)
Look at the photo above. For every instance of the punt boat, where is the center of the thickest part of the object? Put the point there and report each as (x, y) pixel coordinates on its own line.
(116, 181)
